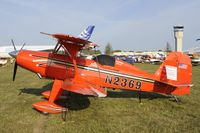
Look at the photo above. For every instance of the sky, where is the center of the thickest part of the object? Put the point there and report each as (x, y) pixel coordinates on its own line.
(129, 25)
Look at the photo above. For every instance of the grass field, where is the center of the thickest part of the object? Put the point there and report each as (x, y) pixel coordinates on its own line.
(119, 112)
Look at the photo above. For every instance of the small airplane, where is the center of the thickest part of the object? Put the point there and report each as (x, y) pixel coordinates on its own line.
(195, 59)
(74, 73)
(3, 61)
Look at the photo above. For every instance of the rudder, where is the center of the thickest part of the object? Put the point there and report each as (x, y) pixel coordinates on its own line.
(176, 71)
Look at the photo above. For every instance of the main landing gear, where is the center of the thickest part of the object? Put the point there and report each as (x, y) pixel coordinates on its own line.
(175, 99)
(49, 106)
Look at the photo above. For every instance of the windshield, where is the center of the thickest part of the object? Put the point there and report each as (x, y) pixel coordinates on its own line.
(105, 60)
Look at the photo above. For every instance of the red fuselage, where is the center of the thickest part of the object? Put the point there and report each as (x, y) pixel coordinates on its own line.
(116, 75)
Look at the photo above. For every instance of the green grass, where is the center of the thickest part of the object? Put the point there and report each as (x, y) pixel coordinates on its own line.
(119, 112)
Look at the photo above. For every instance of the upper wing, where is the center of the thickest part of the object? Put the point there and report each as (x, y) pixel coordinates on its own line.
(71, 40)
(81, 42)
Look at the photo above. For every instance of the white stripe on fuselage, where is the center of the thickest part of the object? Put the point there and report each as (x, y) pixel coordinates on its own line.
(40, 60)
(99, 70)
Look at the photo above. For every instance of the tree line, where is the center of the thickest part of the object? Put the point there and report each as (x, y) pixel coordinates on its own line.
(109, 50)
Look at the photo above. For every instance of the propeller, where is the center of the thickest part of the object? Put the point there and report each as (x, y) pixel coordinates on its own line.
(13, 44)
(15, 70)
(14, 55)
(22, 46)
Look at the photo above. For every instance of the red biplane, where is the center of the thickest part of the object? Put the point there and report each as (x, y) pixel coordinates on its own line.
(74, 73)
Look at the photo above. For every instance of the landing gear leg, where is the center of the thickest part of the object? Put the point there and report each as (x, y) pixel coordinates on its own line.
(64, 113)
(176, 99)
(139, 96)
(49, 106)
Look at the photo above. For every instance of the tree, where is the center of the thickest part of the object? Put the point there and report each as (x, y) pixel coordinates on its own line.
(91, 52)
(108, 49)
(168, 48)
(117, 50)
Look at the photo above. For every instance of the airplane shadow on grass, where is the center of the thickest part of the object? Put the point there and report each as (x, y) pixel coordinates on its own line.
(74, 102)
(36, 91)
(79, 102)
(135, 94)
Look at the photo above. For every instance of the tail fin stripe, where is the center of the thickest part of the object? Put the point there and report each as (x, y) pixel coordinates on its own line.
(86, 34)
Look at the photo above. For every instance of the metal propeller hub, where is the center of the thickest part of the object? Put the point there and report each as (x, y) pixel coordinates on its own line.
(14, 53)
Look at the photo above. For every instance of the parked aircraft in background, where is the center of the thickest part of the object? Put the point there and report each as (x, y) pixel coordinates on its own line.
(195, 59)
(4, 51)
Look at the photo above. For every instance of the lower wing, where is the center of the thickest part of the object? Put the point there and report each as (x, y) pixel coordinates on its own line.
(84, 87)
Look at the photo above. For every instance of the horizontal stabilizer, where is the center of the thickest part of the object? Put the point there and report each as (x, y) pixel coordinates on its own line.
(177, 85)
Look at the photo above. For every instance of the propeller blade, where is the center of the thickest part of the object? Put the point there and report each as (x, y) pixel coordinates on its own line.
(15, 70)
(13, 44)
(23, 46)
(46, 33)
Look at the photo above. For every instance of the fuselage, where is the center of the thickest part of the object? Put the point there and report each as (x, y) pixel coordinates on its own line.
(116, 75)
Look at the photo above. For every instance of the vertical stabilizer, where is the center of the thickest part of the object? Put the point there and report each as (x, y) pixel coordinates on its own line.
(176, 71)
(86, 34)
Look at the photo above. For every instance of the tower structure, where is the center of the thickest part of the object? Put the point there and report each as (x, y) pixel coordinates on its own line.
(178, 34)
